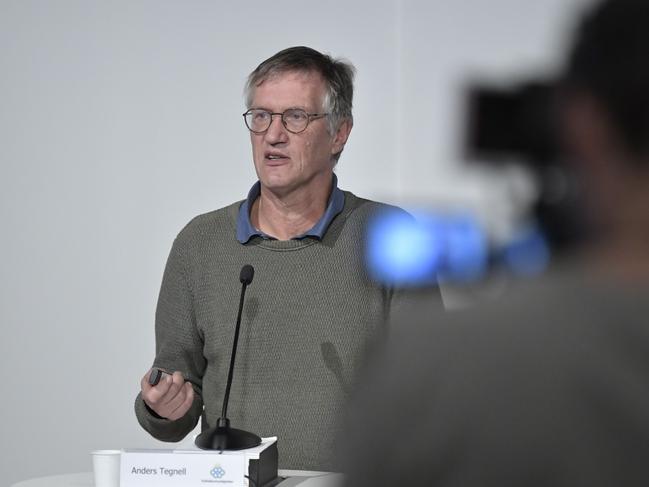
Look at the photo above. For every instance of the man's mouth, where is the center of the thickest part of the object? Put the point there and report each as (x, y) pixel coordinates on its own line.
(275, 157)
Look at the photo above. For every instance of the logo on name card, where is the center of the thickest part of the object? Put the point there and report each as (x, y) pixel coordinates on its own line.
(217, 472)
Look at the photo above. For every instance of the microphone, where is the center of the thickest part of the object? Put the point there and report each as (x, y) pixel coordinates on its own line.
(222, 436)
(246, 274)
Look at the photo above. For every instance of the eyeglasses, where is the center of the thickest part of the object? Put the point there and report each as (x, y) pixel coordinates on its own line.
(295, 120)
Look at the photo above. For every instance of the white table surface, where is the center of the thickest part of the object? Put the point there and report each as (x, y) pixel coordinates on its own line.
(295, 477)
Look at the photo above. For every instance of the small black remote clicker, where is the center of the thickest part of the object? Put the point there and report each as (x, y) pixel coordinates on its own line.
(155, 376)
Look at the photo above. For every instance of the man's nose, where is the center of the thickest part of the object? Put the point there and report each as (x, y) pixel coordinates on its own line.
(276, 132)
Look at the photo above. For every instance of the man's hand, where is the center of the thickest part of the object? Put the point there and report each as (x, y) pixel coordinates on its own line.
(171, 398)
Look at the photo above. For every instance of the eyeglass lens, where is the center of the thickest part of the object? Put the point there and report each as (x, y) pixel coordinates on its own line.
(294, 119)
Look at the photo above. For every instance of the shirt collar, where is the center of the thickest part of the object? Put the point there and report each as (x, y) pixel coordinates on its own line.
(245, 230)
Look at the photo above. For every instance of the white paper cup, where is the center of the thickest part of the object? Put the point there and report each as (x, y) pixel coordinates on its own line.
(105, 464)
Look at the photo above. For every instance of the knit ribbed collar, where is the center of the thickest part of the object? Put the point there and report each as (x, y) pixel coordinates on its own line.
(245, 229)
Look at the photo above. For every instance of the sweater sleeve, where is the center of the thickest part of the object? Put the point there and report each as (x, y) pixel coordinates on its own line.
(402, 300)
(179, 347)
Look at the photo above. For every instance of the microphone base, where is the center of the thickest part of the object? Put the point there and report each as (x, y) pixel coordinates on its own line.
(222, 437)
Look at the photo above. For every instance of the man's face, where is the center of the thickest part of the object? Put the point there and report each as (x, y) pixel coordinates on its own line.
(286, 162)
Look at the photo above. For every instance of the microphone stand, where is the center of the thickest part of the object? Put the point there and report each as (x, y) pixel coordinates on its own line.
(222, 436)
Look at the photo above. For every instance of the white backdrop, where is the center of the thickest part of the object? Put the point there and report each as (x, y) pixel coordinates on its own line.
(121, 120)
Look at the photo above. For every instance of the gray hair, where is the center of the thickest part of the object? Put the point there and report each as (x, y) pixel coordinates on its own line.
(338, 75)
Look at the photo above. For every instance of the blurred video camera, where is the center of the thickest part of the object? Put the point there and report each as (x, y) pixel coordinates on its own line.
(522, 123)
(514, 124)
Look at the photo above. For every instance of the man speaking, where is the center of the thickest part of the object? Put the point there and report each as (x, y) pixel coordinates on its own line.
(310, 314)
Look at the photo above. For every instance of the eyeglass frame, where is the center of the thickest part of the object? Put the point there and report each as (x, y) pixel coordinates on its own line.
(310, 116)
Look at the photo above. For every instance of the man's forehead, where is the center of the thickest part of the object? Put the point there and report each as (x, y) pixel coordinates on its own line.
(305, 89)
(305, 76)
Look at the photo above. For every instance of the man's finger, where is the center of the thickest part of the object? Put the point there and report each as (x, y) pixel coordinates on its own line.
(185, 405)
(156, 395)
(175, 383)
(174, 402)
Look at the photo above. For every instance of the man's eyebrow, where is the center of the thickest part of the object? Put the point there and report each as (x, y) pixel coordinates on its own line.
(289, 108)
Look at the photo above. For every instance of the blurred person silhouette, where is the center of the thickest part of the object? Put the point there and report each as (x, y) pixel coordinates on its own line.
(550, 385)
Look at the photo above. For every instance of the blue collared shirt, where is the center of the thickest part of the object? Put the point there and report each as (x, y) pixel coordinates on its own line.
(245, 230)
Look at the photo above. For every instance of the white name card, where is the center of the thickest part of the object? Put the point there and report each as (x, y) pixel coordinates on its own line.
(186, 468)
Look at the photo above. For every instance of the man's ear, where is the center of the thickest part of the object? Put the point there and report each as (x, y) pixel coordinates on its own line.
(341, 136)
(587, 130)
(597, 151)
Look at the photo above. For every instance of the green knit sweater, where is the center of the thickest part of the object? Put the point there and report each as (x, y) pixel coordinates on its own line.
(309, 316)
